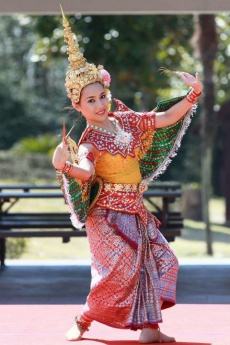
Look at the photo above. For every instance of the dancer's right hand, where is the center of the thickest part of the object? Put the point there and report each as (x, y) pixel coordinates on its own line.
(60, 156)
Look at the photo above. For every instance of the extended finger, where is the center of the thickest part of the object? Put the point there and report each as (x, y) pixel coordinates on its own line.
(197, 76)
(182, 75)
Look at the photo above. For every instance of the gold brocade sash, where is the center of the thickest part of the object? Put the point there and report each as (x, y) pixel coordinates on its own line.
(125, 187)
(123, 197)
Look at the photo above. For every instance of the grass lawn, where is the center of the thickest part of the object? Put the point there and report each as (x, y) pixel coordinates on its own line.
(192, 242)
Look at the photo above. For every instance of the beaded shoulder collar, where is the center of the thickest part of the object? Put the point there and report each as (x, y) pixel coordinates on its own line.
(127, 138)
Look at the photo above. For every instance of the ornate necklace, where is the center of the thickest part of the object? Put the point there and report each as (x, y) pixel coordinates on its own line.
(121, 138)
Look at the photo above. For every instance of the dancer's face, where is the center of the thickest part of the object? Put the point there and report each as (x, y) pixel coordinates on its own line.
(93, 104)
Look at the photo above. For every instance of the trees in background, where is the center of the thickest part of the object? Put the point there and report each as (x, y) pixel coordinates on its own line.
(29, 106)
(33, 64)
(132, 48)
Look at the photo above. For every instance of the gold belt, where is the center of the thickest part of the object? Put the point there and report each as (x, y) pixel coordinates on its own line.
(125, 187)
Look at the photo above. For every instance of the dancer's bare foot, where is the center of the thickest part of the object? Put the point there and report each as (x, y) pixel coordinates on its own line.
(80, 326)
(152, 335)
(75, 333)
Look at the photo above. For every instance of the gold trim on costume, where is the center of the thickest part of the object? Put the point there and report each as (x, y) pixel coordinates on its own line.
(125, 187)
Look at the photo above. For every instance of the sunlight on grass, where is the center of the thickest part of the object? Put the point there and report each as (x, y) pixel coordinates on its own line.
(41, 205)
(217, 210)
(192, 242)
(53, 248)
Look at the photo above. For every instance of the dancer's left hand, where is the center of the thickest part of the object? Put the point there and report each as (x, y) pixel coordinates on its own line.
(191, 81)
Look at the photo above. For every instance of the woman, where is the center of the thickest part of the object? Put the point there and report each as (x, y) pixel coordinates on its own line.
(134, 270)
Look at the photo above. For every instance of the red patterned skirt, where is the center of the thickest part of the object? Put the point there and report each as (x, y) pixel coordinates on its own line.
(134, 270)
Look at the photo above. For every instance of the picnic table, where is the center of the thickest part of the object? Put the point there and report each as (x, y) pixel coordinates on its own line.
(58, 224)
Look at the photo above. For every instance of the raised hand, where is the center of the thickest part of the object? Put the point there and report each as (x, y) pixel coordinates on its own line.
(191, 81)
(61, 153)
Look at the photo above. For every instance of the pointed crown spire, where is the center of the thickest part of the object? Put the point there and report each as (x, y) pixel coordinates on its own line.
(80, 73)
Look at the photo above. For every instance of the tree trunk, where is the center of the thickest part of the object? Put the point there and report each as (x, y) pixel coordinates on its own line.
(206, 178)
(224, 140)
(207, 48)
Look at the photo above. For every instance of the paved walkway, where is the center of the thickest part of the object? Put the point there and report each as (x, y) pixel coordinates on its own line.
(204, 281)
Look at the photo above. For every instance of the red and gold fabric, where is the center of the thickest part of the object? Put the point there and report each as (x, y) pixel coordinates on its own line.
(134, 270)
(133, 277)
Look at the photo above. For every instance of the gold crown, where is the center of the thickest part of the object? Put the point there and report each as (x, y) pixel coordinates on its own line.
(80, 72)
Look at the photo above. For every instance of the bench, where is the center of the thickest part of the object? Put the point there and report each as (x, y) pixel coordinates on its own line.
(38, 224)
(171, 220)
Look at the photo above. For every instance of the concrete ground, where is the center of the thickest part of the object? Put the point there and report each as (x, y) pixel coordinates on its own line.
(200, 281)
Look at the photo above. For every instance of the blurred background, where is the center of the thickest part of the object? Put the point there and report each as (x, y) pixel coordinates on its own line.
(132, 48)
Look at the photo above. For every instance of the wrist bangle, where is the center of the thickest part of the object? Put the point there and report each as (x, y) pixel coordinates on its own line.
(68, 167)
(197, 94)
(192, 96)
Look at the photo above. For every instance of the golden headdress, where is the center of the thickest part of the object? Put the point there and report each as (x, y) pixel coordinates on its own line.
(80, 72)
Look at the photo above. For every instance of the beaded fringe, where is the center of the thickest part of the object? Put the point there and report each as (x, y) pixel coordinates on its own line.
(74, 218)
(80, 197)
(73, 197)
(173, 151)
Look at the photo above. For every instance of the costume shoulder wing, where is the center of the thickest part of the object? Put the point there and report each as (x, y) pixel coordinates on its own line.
(165, 142)
(79, 195)
(76, 196)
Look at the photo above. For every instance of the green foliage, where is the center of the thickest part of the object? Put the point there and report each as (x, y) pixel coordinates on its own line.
(42, 144)
(33, 64)
(222, 64)
(14, 120)
(132, 48)
(31, 94)
(15, 247)
(27, 167)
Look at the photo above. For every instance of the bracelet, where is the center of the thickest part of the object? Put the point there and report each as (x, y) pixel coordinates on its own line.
(192, 96)
(68, 167)
(83, 324)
